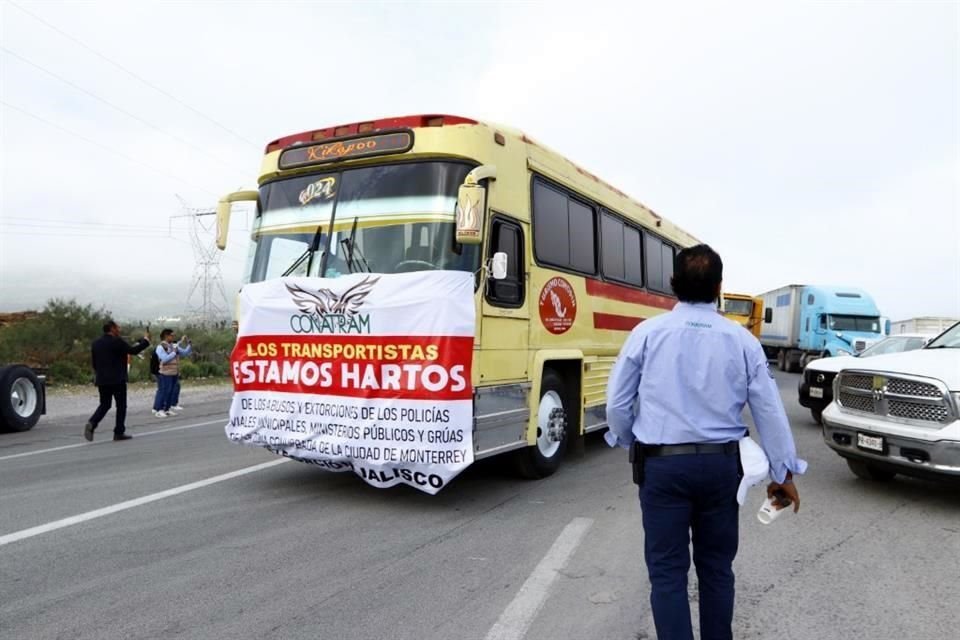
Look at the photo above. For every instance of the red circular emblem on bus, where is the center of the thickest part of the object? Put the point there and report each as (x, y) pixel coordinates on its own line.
(558, 306)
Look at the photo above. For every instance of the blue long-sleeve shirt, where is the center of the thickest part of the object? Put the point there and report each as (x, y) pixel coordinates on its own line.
(166, 356)
(685, 376)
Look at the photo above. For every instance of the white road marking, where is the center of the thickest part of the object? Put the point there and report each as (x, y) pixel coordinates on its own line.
(130, 504)
(519, 614)
(109, 438)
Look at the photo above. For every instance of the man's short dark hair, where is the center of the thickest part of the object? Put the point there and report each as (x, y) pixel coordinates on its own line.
(165, 333)
(108, 326)
(697, 273)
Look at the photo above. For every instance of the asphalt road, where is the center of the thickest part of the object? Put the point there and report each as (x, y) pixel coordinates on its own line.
(284, 550)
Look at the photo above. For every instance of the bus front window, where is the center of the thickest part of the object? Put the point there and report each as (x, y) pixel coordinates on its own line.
(403, 214)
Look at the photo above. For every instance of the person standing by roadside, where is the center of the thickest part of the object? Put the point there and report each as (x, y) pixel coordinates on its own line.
(109, 355)
(168, 380)
(184, 351)
(675, 399)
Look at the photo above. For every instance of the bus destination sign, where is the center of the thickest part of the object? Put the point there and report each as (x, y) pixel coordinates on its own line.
(363, 147)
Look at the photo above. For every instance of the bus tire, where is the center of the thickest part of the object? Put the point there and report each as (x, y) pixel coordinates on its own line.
(544, 456)
(21, 398)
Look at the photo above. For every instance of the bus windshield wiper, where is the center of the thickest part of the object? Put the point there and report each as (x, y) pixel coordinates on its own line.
(312, 249)
(351, 247)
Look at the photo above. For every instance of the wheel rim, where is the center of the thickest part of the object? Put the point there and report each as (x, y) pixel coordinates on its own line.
(551, 422)
(23, 397)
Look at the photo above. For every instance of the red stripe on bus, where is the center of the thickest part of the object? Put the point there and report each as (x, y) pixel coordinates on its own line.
(614, 322)
(626, 294)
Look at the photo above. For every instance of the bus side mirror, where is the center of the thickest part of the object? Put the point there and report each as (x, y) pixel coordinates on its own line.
(768, 315)
(223, 213)
(498, 265)
(472, 204)
(223, 223)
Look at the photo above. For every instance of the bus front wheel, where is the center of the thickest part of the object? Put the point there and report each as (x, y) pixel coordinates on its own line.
(543, 457)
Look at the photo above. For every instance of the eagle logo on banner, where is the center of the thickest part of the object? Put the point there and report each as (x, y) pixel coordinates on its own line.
(324, 301)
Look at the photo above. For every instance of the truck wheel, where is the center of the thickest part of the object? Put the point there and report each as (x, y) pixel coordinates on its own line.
(867, 471)
(817, 415)
(792, 364)
(782, 360)
(543, 458)
(20, 398)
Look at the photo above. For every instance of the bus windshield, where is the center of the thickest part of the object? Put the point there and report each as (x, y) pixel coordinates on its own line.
(403, 213)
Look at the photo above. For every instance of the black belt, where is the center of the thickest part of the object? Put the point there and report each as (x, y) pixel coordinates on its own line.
(688, 449)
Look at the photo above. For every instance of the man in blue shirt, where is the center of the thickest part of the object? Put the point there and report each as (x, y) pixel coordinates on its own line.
(168, 380)
(675, 399)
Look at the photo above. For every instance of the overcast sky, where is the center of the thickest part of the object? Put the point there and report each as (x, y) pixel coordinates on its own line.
(814, 142)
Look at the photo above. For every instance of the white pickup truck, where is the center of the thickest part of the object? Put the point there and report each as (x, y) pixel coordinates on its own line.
(899, 413)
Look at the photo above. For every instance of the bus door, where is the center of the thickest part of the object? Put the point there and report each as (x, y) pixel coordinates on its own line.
(502, 408)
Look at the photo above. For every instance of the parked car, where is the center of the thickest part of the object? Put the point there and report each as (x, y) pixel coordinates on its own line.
(899, 413)
(815, 388)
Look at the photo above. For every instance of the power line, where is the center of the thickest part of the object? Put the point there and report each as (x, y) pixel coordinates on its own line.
(36, 222)
(104, 147)
(134, 116)
(134, 75)
(67, 227)
(84, 235)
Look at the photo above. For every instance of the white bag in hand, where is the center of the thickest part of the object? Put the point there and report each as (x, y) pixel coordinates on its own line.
(756, 467)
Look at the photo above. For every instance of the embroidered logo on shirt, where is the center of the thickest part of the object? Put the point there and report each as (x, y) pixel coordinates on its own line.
(699, 325)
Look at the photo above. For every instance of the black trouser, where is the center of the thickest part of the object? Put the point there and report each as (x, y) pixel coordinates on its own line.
(109, 392)
(682, 494)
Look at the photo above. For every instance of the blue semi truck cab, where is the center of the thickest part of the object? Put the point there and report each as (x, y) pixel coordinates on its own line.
(804, 322)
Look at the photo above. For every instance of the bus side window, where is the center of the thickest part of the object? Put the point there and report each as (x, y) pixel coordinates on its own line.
(507, 236)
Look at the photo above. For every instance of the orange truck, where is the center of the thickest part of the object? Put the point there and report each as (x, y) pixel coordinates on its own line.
(744, 309)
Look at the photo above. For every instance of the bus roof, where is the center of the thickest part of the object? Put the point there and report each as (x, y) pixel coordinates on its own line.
(537, 154)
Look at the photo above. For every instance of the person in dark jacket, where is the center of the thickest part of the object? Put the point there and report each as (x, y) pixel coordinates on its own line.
(109, 353)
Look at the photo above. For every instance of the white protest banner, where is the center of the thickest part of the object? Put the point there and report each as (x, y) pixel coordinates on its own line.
(367, 373)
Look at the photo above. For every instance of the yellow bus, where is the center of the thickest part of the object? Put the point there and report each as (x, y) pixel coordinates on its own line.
(580, 262)
(745, 310)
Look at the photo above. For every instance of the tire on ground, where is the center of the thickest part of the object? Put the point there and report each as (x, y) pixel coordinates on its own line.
(20, 398)
(542, 458)
(792, 364)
